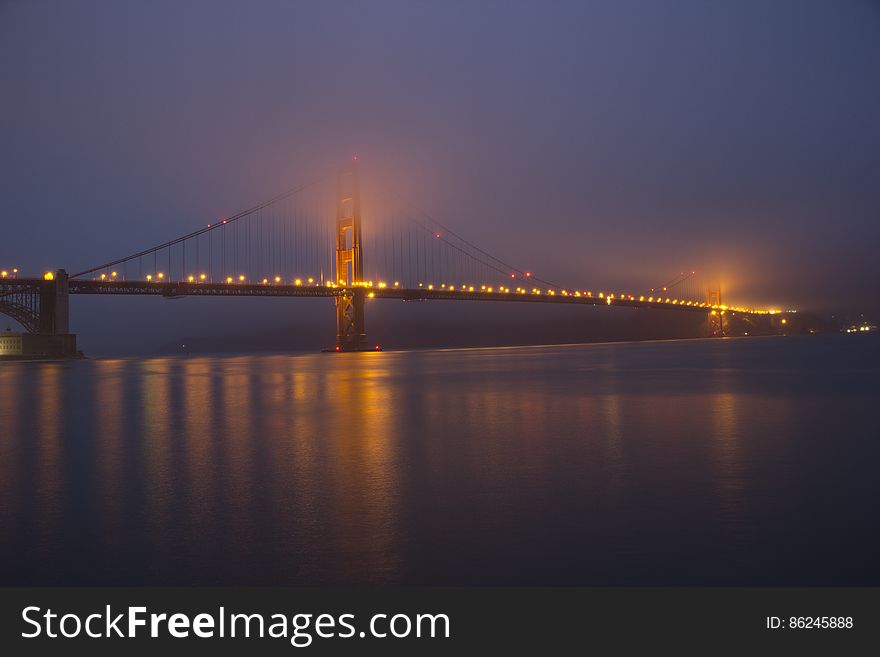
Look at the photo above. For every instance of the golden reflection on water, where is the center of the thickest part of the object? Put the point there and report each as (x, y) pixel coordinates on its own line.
(238, 432)
(361, 469)
(316, 441)
(10, 437)
(610, 409)
(502, 423)
(154, 381)
(295, 475)
(724, 433)
(732, 418)
(109, 404)
(49, 476)
(199, 444)
(609, 438)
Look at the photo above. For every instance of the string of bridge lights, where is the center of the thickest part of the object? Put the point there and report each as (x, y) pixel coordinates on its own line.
(609, 298)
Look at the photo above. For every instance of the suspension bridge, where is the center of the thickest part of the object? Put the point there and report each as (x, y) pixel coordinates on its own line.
(311, 241)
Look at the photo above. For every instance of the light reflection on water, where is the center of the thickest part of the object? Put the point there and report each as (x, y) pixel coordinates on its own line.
(697, 462)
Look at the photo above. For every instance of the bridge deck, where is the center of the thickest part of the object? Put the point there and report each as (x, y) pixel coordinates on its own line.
(183, 289)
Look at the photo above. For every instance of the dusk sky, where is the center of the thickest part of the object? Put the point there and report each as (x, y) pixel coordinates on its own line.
(598, 143)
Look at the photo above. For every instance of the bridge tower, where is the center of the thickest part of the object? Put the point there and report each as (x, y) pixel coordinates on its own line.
(350, 332)
(716, 317)
(54, 318)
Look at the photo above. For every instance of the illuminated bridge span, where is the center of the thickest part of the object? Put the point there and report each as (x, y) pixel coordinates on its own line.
(311, 242)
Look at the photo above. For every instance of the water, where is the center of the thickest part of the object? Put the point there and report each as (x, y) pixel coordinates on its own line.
(746, 461)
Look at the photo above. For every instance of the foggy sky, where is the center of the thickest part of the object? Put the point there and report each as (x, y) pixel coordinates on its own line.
(615, 143)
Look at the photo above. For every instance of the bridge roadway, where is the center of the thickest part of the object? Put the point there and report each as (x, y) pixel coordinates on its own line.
(175, 289)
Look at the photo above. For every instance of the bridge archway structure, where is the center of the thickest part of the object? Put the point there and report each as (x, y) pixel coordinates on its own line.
(39, 305)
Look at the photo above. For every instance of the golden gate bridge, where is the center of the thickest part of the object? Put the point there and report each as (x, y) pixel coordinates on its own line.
(311, 241)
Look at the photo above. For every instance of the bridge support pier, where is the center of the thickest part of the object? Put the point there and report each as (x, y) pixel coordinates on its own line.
(350, 334)
(54, 337)
(716, 317)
